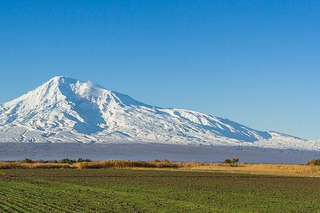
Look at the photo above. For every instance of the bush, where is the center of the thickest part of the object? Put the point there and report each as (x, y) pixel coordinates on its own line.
(231, 161)
(166, 161)
(234, 160)
(156, 161)
(67, 160)
(83, 160)
(27, 160)
(227, 161)
(315, 162)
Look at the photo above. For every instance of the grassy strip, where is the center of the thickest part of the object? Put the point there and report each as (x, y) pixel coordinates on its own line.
(270, 169)
(19, 165)
(125, 164)
(266, 169)
(89, 165)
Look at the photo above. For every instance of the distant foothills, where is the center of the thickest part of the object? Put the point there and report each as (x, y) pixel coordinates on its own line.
(69, 110)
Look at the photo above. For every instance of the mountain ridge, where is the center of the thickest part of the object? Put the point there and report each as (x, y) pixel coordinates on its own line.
(68, 110)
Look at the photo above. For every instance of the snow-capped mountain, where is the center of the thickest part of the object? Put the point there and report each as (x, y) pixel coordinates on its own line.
(68, 110)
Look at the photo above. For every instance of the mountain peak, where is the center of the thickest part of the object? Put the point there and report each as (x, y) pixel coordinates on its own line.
(56, 80)
(62, 79)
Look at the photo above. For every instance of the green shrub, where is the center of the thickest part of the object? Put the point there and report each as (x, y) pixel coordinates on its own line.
(227, 161)
(67, 160)
(27, 160)
(84, 160)
(231, 161)
(315, 162)
(234, 160)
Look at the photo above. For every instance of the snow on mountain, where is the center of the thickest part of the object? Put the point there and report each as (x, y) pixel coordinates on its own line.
(68, 110)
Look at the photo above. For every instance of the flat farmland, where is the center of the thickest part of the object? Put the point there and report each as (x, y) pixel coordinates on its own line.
(127, 190)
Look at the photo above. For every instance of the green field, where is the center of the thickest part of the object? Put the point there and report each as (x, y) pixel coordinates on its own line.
(124, 190)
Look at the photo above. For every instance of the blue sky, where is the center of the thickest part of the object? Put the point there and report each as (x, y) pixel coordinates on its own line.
(254, 62)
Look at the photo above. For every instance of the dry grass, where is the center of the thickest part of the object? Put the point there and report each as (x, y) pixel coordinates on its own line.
(89, 165)
(124, 164)
(269, 169)
(19, 165)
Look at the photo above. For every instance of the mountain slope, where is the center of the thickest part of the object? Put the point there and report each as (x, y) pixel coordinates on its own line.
(68, 110)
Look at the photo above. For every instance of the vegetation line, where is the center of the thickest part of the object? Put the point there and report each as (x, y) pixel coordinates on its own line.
(311, 169)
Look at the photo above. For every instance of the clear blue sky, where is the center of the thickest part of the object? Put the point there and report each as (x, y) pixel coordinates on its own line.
(254, 62)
